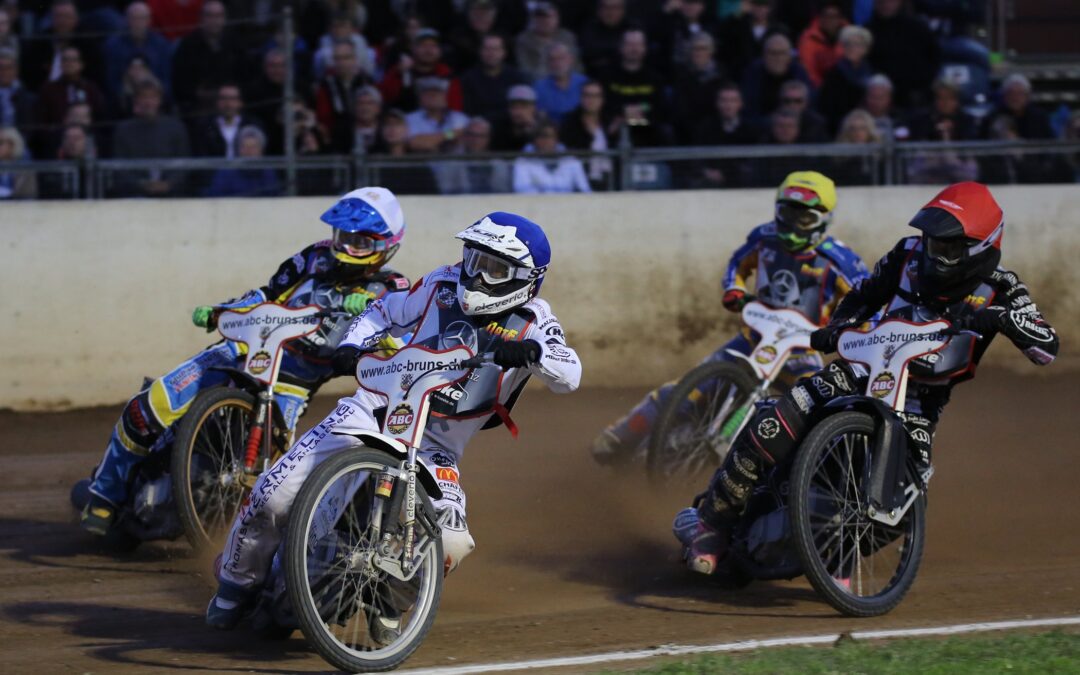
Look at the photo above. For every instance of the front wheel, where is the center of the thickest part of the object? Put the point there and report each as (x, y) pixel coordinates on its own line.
(357, 615)
(699, 420)
(861, 567)
(207, 463)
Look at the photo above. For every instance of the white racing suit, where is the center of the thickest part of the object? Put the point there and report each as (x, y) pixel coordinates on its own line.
(430, 311)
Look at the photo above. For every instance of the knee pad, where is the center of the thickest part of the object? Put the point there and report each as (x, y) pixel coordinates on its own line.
(776, 429)
(138, 423)
(456, 540)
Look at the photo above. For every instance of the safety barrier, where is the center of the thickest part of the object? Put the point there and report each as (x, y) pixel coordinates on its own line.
(96, 295)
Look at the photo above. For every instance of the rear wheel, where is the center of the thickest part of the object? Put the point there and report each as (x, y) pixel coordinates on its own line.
(357, 615)
(207, 463)
(694, 430)
(861, 567)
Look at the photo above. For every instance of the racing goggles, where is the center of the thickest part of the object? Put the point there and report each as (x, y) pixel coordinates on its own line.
(492, 268)
(358, 244)
(947, 252)
(798, 217)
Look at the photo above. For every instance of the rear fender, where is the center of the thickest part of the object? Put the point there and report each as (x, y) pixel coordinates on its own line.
(890, 451)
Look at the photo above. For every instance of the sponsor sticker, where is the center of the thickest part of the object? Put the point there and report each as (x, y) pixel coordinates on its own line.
(406, 381)
(398, 421)
(260, 362)
(765, 355)
(802, 398)
(883, 384)
(439, 459)
(447, 474)
(445, 297)
(768, 428)
(823, 387)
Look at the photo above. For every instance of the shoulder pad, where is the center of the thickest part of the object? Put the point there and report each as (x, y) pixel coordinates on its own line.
(908, 243)
(762, 231)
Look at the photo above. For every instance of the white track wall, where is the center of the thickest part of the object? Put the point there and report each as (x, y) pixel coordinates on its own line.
(98, 294)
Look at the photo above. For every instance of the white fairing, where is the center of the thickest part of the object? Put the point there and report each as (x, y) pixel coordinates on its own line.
(264, 329)
(407, 379)
(781, 331)
(887, 349)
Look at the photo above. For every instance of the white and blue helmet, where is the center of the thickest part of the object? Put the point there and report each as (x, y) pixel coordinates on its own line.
(503, 264)
(368, 226)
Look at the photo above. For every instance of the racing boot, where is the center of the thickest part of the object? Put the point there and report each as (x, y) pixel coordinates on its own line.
(385, 628)
(609, 450)
(98, 516)
(703, 546)
(228, 606)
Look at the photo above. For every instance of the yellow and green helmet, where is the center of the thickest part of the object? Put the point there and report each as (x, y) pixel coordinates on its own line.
(804, 206)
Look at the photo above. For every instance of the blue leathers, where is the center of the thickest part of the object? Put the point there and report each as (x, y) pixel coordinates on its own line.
(812, 281)
(312, 276)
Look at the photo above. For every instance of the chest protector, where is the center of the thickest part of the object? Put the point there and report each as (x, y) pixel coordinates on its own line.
(957, 358)
(326, 295)
(444, 325)
(794, 281)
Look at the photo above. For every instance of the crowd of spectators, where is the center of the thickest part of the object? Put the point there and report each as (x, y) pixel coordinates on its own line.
(157, 79)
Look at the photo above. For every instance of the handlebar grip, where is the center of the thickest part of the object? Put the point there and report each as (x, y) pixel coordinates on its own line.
(478, 361)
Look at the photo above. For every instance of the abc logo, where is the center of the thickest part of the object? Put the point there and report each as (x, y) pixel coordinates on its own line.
(260, 362)
(400, 419)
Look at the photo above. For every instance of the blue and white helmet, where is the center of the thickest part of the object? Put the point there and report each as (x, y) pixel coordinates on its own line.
(503, 264)
(368, 226)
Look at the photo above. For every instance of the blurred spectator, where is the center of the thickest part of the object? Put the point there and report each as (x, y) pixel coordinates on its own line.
(434, 127)
(478, 177)
(255, 182)
(795, 96)
(905, 50)
(531, 47)
(399, 84)
(8, 39)
(137, 71)
(263, 97)
(696, 84)
(819, 44)
(15, 183)
(335, 93)
(484, 86)
(175, 18)
(688, 20)
(204, 60)
(150, 135)
(725, 126)
(137, 41)
(1072, 135)
(467, 39)
(601, 37)
(635, 92)
(343, 28)
(76, 144)
(71, 87)
(307, 136)
(857, 127)
(559, 92)
(878, 102)
(218, 135)
(743, 36)
(945, 121)
(764, 77)
(40, 57)
(548, 174)
(514, 130)
(368, 112)
(845, 85)
(394, 142)
(1029, 121)
(954, 23)
(783, 129)
(16, 103)
(590, 127)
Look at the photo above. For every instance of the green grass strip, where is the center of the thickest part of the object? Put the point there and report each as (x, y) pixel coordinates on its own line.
(1055, 652)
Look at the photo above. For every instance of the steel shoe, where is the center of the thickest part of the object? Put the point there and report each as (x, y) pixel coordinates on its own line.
(98, 516)
(703, 546)
(228, 606)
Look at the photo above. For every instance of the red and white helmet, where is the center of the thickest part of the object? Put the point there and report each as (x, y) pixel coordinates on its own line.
(962, 230)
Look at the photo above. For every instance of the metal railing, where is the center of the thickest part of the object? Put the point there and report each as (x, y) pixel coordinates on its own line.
(624, 168)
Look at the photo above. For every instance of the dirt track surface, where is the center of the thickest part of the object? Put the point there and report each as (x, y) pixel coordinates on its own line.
(569, 560)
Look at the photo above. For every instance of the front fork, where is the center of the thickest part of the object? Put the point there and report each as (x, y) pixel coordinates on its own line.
(258, 439)
(392, 493)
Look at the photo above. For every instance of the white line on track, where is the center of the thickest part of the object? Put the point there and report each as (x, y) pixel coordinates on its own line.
(742, 646)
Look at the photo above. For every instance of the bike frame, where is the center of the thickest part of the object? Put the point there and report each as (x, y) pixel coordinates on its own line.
(406, 379)
(264, 329)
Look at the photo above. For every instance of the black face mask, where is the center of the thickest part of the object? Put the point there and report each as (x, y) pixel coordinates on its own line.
(948, 273)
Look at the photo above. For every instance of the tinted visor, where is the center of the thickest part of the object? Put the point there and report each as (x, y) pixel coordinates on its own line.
(494, 269)
(946, 251)
(357, 244)
(797, 217)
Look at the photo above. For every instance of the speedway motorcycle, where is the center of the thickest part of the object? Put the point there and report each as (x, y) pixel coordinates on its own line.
(200, 469)
(360, 570)
(849, 512)
(709, 406)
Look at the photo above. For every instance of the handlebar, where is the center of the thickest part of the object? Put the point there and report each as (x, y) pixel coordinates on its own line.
(479, 361)
(962, 331)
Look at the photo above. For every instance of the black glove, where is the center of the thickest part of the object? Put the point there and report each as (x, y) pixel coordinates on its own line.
(985, 322)
(825, 339)
(517, 354)
(345, 359)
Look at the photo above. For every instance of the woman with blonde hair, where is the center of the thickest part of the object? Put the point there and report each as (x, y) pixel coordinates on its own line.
(857, 128)
(15, 184)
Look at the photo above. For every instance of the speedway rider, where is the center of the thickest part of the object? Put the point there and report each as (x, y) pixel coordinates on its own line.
(951, 271)
(797, 265)
(487, 302)
(343, 273)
